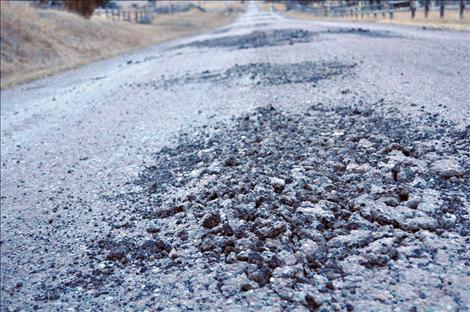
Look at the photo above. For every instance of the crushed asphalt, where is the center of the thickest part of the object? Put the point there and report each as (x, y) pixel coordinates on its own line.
(296, 212)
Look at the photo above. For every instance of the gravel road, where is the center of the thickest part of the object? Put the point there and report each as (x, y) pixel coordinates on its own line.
(273, 164)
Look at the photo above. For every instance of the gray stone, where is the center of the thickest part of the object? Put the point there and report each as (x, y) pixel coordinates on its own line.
(448, 168)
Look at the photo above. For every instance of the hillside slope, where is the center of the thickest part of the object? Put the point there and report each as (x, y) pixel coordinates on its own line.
(37, 43)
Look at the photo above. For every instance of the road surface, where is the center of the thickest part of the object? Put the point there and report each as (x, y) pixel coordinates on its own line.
(74, 144)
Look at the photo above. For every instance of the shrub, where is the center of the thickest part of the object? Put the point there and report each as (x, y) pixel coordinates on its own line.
(84, 8)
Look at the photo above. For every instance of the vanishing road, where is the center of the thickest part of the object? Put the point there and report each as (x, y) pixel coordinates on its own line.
(74, 148)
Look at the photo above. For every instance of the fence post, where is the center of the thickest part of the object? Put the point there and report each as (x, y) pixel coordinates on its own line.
(462, 8)
(426, 8)
(441, 8)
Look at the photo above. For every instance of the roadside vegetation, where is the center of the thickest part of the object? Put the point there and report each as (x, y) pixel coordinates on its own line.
(40, 42)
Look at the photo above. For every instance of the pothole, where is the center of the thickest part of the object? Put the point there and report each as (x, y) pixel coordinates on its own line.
(278, 37)
(275, 74)
(364, 32)
(282, 206)
(256, 39)
(264, 74)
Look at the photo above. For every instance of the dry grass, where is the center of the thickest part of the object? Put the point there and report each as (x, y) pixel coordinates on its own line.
(36, 43)
(209, 5)
(217, 5)
(267, 7)
(451, 19)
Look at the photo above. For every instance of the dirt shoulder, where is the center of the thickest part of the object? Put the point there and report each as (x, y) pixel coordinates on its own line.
(38, 43)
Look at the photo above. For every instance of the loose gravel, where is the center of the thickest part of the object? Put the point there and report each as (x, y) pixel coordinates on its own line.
(346, 209)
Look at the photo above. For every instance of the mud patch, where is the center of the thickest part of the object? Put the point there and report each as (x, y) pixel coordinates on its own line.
(256, 39)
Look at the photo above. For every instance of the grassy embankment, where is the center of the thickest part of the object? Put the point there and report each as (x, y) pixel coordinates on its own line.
(36, 43)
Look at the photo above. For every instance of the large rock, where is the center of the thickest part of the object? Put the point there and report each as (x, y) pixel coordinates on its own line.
(448, 168)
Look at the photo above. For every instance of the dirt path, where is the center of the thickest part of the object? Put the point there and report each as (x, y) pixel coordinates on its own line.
(96, 215)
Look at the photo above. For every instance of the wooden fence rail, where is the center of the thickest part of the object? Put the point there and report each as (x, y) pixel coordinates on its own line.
(133, 16)
(365, 7)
